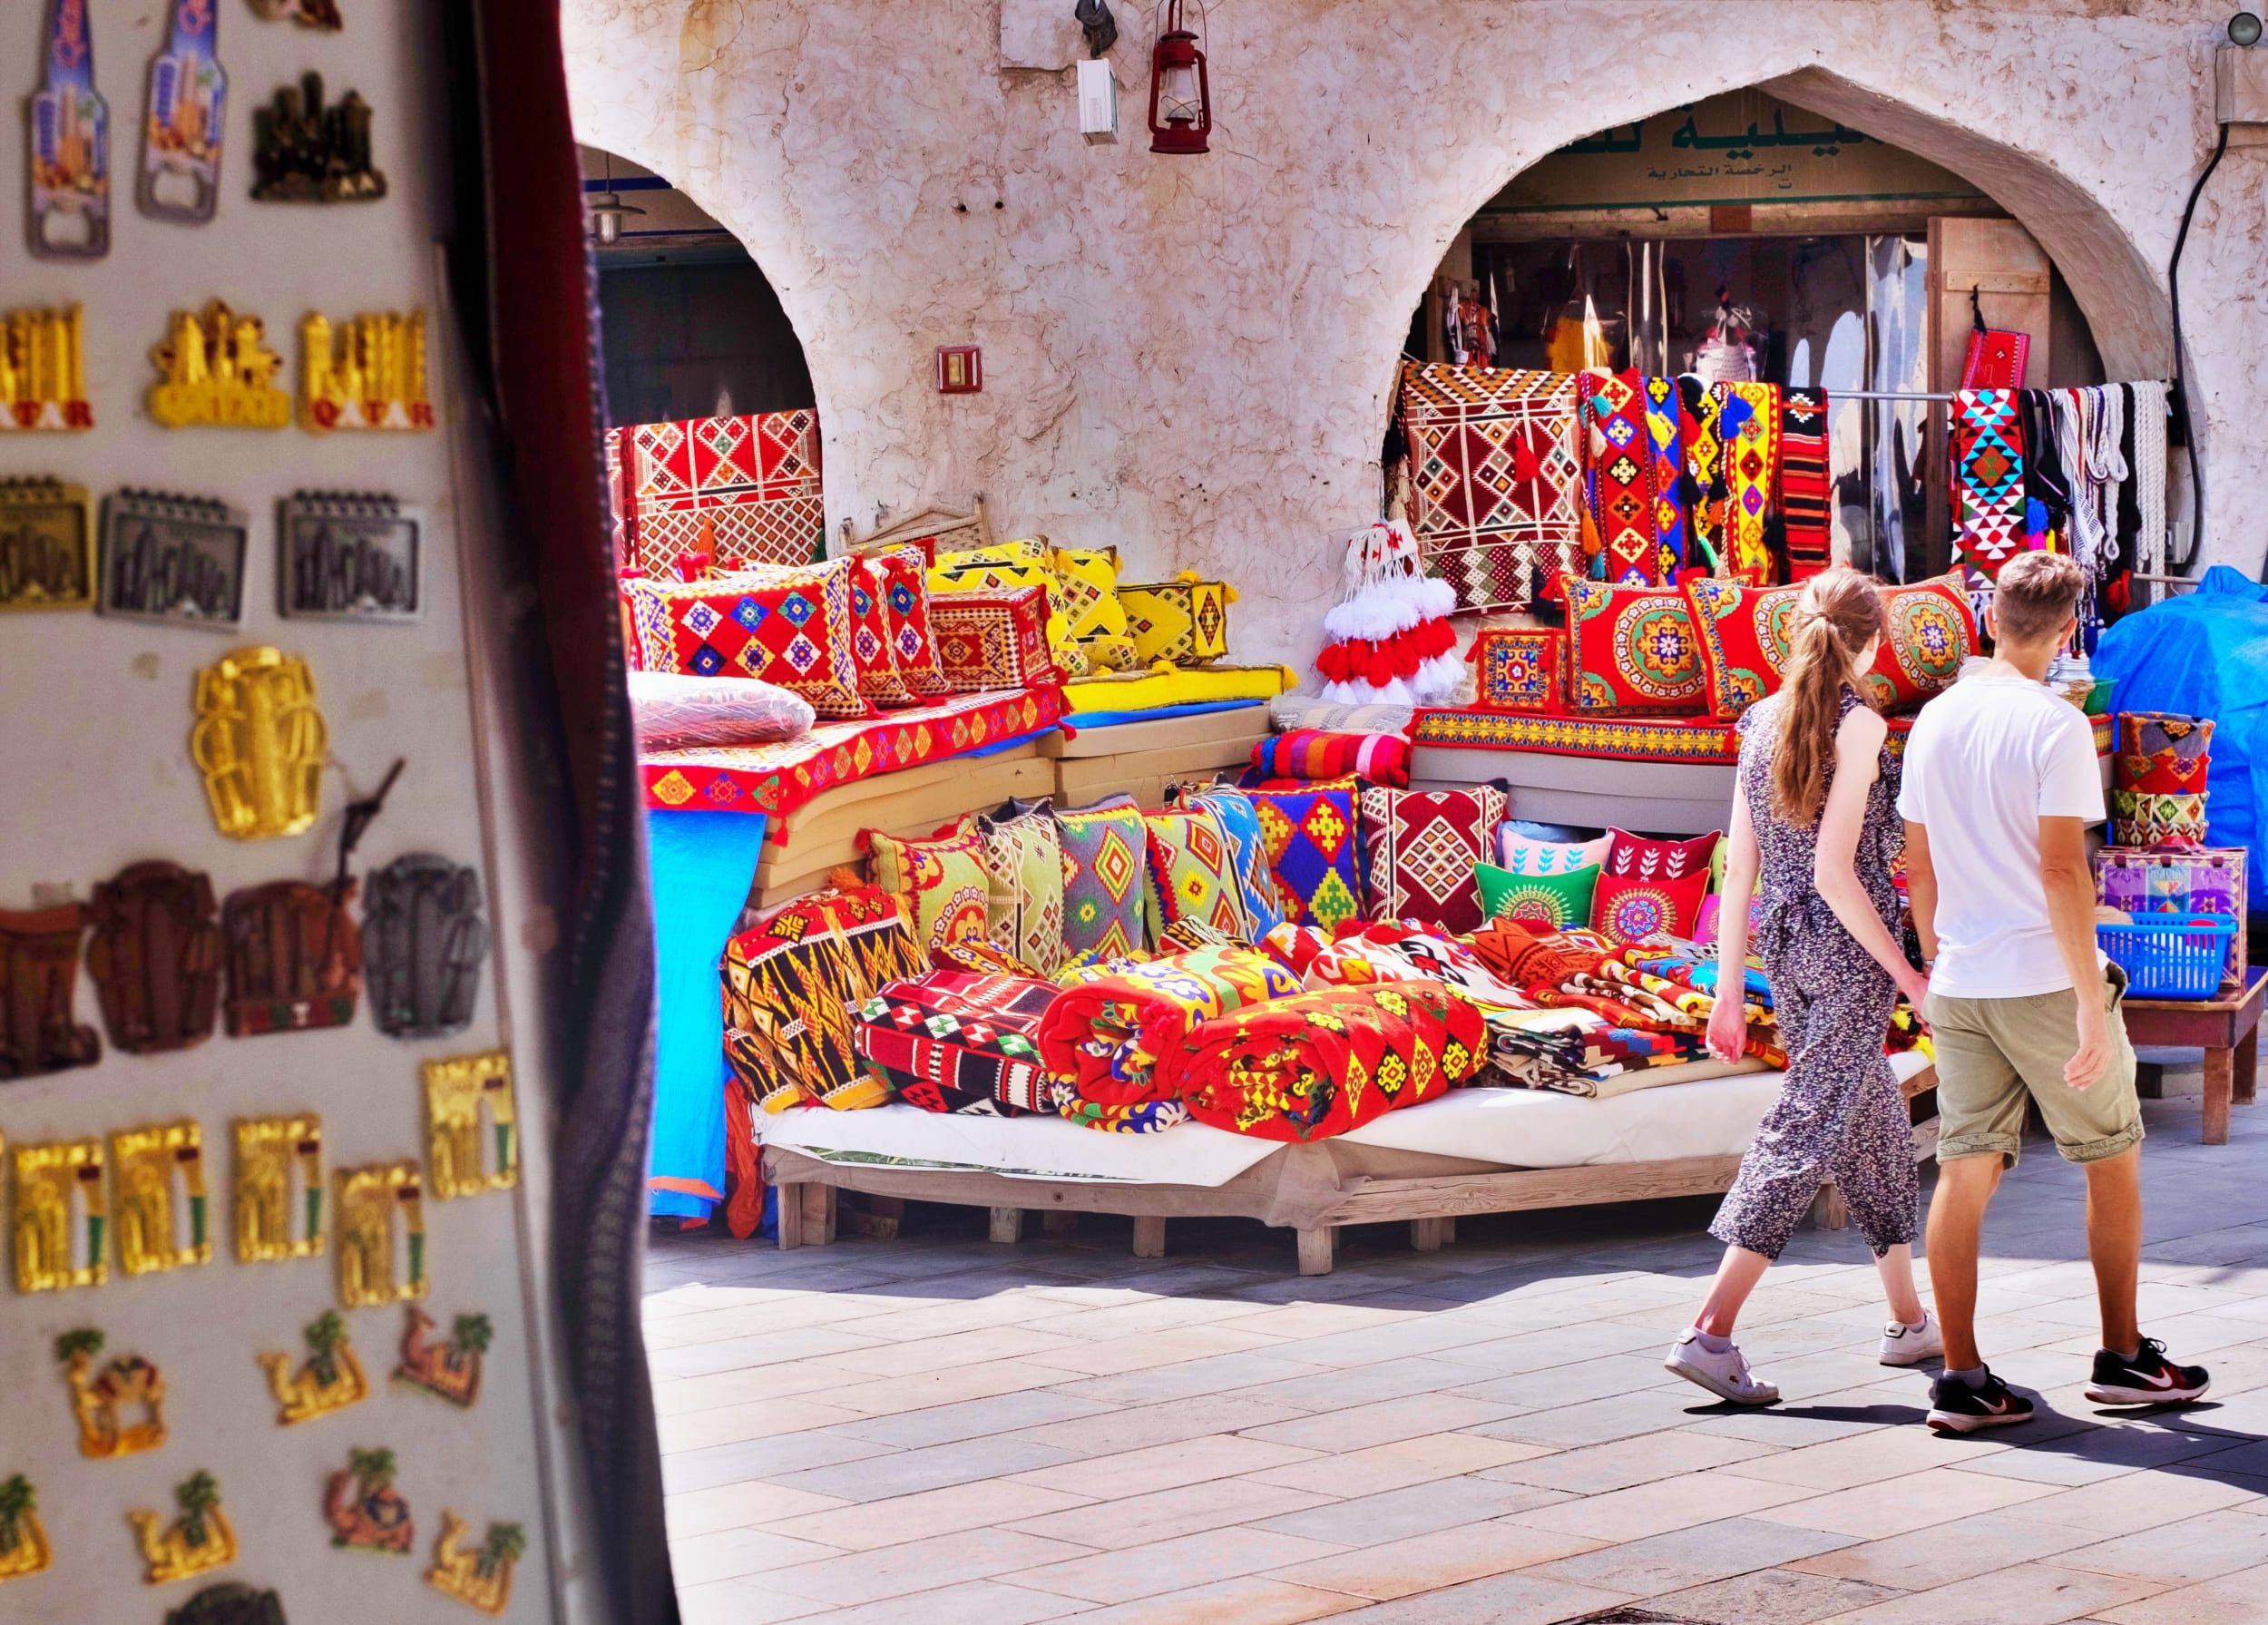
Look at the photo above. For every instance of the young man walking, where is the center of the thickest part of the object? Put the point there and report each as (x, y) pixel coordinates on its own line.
(2001, 782)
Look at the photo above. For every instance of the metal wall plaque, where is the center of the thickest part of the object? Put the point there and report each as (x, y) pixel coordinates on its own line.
(345, 555)
(46, 545)
(422, 942)
(179, 560)
(295, 962)
(155, 957)
(39, 972)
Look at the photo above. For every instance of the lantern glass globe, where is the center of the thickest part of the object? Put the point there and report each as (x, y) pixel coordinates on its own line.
(2244, 29)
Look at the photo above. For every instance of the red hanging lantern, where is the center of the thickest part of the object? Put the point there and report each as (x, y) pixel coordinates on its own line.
(1180, 95)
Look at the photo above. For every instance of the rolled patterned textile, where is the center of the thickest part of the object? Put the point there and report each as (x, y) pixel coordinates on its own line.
(1104, 1035)
(958, 1042)
(1316, 753)
(1314, 1066)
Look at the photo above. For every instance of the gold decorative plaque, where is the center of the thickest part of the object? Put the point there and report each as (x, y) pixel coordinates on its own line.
(268, 1151)
(49, 1179)
(367, 375)
(151, 1165)
(372, 1271)
(455, 1092)
(261, 742)
(215, 369)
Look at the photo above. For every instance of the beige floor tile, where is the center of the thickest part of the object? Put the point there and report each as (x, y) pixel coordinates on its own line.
(2187, 1553)
(927, 1565)
(1918, 1500)
(1426, 1562)
(1166, 1514)
(1247, 1602)
(757, 1419)
(2027, 1594)
(740, 1603)
(2138, 1500)
(874, 1396)
(1767, 1597)
(2239, 1598)
(1655, 1509)
(739, 1506)
(1153, 1315)
(1320, 1320)
(1140, 1426)
(712, 1391)
(1405, 1462)
(1924, 1558)
(982, 1345)
(968, 1314)
(1865, 1458)
(1172, 1565)
(1359, 1427)
(1597, 1469)
(974, 1602)
(864, 1526)
(1164, 1466)
(731, 1554)
(1141, 1352)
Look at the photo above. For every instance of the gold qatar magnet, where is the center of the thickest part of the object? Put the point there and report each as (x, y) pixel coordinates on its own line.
(456, 1089)
(367, 375)
(42, 369)
(272, 1155)
(46, 545)
(215, 369)
(24, 1548)
(481, 1576)
(261, 742)
(330, 1380)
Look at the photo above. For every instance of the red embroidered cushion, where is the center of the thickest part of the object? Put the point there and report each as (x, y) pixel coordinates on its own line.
(1638, 857)
(1929, 630)
(1423, 849)
(879, 679)
(1626, 908)
(1632, 649)
(789, 625)
(1521, 668)
(1744, 635)
(994, 639)
(906, 618)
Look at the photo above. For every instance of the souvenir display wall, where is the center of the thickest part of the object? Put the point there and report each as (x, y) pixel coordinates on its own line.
(260, 1137)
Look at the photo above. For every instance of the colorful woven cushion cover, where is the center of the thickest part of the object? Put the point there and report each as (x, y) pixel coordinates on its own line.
(1496, 479)
(1557, 900)
(906, 620)
(993, 639)
(1525, 855)
(1318, 1064)
(1000, 566)
(1929, 630)
(1193, 874)
(879, 678)
(1240, 821)
(1311, 753)
(789, 982)
(1632, 649)
(786, 625)
(1313, 851)
(1420, 849)
(1184, 622)
(1086, 592)
(959, 1042)
(1106, 871)
(1521, 668)
(1650, 887)
(1106, 1033)
(1024, 891)
(942, 881)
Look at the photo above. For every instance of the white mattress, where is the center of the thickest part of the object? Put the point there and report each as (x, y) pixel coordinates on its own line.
(1517, 1128)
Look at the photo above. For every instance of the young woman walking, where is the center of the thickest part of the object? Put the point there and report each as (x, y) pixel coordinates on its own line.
(1814, 817)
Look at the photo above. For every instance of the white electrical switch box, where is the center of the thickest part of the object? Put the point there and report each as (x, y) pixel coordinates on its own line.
(1098, 102)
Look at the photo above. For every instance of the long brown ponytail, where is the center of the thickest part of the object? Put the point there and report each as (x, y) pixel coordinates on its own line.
(1838, 614)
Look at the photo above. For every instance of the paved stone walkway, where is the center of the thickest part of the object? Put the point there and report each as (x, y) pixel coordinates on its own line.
(935, 1430)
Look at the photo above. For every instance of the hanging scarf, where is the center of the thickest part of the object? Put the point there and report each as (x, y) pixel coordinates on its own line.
(1698, 409)
(2127, 527)
(1620, 483)
(2047, 491)
(2088, 426)
(1803, 483)
(1995, 359)
(1749, 423)
(1666, 455)
(1987, 484)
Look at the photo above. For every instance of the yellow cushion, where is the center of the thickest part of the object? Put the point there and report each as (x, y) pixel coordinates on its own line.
(1024, 563)
(943, 882)
(1148, 690)
(1088, 591)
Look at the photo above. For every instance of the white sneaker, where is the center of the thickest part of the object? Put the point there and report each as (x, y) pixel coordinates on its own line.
(1912, 1346)
(1726, 1375)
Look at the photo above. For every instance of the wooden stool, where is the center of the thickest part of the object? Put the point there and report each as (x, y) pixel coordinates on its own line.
(2227, 1029)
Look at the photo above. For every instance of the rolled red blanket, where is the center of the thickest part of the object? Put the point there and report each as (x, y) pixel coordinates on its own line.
(1317, 1065)
(1104, 1035)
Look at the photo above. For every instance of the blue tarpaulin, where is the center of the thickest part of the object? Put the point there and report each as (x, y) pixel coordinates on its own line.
(2203, 654)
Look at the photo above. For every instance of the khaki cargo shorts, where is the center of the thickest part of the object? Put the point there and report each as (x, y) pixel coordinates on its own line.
(1993, 1055)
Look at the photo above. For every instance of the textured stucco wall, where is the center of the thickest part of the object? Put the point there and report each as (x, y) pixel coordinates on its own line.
(1190, 357)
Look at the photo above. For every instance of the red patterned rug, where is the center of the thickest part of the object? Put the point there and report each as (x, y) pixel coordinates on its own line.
(753, 481)
(1496, 479)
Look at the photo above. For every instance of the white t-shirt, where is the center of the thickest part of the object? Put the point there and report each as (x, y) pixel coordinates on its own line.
(1987, 760)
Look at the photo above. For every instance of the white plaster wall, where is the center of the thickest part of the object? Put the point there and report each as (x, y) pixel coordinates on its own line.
(1190, 357)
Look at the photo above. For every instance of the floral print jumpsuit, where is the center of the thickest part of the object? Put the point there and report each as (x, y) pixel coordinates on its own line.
(1841, 1114)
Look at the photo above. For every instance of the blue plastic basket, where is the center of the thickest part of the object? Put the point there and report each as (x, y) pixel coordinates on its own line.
(2170, 958)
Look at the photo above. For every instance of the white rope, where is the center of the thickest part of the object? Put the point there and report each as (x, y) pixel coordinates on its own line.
(2071, 440)
(2149, 474)
(2105, 416)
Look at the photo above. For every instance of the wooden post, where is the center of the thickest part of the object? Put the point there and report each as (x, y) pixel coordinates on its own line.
(1829, 1210)
(1007, 1226)
(818, 1215)
(788, 1200)
(1315, 1247)
(1427, 1235)
(1149, 1235)
(2247, 1068)
(2220, 1085)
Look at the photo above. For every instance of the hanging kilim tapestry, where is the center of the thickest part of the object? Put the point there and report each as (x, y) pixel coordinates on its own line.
(1620, 480)
(1495, 479)
(1748, 423)
(745, 490)
(1803, 484)
(1697, 410)
(1988, 483)
(1667, 458)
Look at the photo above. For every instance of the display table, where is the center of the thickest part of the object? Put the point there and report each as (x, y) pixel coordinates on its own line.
(2227, 1029)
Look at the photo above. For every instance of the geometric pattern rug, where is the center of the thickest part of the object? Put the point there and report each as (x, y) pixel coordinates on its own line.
(1496, 479)
(752, 480)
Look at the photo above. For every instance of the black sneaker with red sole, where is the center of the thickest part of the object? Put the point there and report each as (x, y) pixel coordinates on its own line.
(1955, 1407)
(2149, 1379)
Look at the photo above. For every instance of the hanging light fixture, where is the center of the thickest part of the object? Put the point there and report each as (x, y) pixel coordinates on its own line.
(608, 211)
(1180, 95)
